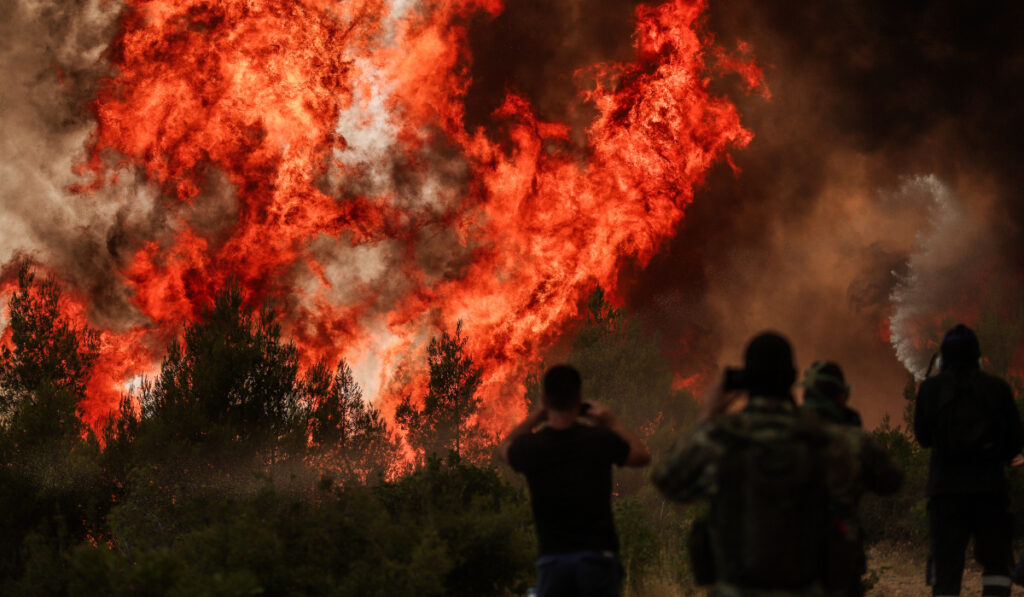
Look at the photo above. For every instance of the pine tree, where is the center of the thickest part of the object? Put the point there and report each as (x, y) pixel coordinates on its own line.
(622, 365)
(345, 432)
(44, 372)
(232, 381)
(446, 418)
(49, 490)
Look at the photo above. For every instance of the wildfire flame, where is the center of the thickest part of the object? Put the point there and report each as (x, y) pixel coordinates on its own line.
(363, 204)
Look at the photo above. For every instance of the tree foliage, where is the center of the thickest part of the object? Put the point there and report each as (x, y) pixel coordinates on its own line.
(446, 529)
(346, 434)
(172, 505)
(624, 368)
(44, 371)
(446, 418)
(231, 381)
(47, 347)
(51, 493)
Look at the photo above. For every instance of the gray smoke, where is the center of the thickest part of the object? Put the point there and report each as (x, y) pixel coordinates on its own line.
(955, 272)
(52, 61)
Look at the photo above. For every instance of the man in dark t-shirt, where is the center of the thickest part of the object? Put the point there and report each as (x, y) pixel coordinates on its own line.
(568, 466)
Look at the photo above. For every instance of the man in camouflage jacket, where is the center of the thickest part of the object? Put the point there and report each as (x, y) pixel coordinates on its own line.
(787, 523)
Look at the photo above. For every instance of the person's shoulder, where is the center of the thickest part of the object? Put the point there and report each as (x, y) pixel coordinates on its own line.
(994, 382)
(851, 417)
(728, 424)
(845, 433)
(528, 440)
(856, 440)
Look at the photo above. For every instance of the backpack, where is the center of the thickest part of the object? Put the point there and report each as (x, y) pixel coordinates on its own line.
(966, 428)
(770, 518)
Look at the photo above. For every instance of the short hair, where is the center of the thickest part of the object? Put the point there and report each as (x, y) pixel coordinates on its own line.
(768, 364)
(562, 385)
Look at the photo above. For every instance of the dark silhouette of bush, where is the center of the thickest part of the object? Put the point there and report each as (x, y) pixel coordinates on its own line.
(233, 381)
(51, 491)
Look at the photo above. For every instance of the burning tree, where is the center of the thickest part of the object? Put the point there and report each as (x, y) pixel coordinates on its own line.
(49, 487)
(446, 416)
(346, 433)
(233, 381)
(44, 370)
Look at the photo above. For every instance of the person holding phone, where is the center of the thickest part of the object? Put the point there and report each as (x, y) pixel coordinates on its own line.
(566, 449)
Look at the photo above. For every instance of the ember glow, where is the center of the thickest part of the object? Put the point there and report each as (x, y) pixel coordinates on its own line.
(359, 202)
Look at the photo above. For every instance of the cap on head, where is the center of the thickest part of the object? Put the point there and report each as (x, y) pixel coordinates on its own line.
(562, 384)
(826, 378)
(768, 365)
(960, 348)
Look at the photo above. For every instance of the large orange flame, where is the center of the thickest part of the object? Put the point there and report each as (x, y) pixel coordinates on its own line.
(301, 104)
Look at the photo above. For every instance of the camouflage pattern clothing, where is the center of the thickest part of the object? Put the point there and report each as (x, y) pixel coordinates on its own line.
(852, 464)
(689, 471)
(830, 411)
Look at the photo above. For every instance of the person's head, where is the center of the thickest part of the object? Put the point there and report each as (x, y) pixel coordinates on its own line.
(768, 365)
(960, 349)
(562, 388)
(825, 379)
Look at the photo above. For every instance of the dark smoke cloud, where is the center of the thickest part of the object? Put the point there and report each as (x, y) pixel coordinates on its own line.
(52, 59)
(828, 231)
(534, 49)
(891, 138)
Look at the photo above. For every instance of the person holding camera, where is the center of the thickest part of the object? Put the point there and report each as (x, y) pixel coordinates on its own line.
(568, 467)
(778, 481)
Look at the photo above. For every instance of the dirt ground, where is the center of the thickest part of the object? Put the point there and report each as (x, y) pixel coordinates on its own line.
(900, 573)
(897, 571)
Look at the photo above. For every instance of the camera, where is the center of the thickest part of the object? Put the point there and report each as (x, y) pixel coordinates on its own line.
(735, 379)
(584, 409)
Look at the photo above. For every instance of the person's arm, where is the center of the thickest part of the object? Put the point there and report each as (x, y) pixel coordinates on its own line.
(688, 471)
(538, 416)
(639, 455)
(718, 400)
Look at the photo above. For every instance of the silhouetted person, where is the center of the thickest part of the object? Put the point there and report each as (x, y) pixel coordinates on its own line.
(969, 420)
(568, 466)
(773, 475)
(826, 394)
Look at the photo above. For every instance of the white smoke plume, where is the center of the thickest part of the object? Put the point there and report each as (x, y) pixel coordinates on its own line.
(948, 251)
